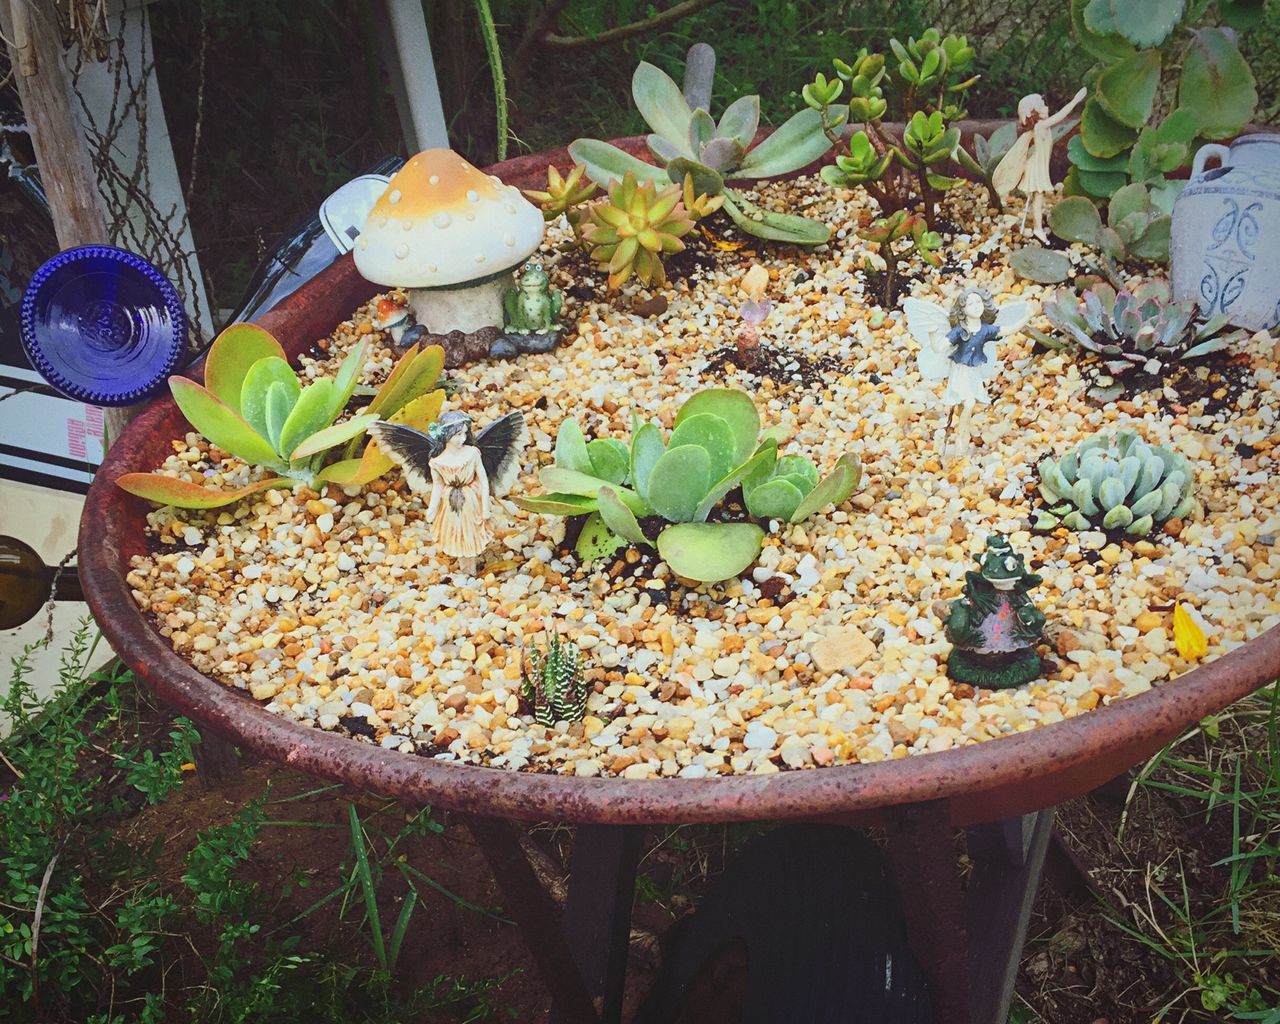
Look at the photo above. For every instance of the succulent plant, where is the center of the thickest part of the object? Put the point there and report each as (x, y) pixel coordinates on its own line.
(554, 685)
(1160, 83)
(887, 232)
(1115, 482)
(253, 406)
(931, 74)
(712, 450)
(631, 231)
(564, 196)
(1135, 226)
(687, 140)
(1143, 329)
(699, 205)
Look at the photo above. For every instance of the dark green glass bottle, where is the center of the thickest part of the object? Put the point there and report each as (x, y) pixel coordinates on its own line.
(25, 583)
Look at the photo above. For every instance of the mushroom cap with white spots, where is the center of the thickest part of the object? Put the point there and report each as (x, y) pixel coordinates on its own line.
(443, 222)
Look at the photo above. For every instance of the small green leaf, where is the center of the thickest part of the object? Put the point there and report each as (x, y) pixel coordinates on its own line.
(1127, 89)
(777, 227)
(647, 447)
(257, 385)
(736, 408)
(567, 481)
(661, 104)
(800, 140)
(231, 355)
(558, 504)
(1076, 219)
(775, 499)
(1217, 86)
(221, 424)
(420, 374)
(606, 163)
(1106, 46)
(740, 120)
(596, 540)
(679, 481)
(278, 404)
(323, 440)
(312, 412)
(348, 376)
(1148, 23)
(800, 466)
(571, 448)
(710, 432)
(610, 459)
(1103, 135)
(706, 180)
(710, 552)
(620, 519)
(727, 483)
(832, 489)
(168, 490)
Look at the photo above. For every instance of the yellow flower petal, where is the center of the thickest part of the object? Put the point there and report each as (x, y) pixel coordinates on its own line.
(1188, 637)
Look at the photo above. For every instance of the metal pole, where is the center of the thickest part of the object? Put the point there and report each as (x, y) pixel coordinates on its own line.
(413, 75)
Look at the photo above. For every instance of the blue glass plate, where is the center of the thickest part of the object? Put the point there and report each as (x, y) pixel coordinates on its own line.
(103, 326)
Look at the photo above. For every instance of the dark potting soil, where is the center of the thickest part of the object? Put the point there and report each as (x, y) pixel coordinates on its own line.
(784, 366)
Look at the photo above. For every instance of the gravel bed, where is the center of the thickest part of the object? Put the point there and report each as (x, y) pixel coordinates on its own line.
(334, 610)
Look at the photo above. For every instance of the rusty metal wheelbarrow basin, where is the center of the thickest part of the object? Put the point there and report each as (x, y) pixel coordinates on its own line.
(986, 782)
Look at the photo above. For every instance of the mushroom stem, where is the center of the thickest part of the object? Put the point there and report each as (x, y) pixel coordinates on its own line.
(465, 308)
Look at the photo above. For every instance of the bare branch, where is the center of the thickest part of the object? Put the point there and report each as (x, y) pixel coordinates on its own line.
(551, 41)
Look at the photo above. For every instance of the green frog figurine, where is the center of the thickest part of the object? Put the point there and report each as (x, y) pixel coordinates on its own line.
(994, 626)
(533, 306)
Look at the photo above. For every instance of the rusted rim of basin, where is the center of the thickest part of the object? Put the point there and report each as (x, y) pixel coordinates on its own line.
(983, 782)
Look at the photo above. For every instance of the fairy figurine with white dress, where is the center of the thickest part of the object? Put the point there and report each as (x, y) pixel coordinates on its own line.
(959, 346)
(1026, 166)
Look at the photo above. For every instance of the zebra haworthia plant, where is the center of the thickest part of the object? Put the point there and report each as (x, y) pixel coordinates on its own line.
(714, 448)
(554, 685)
(1115, 482)
(254, 407)
(687, 141)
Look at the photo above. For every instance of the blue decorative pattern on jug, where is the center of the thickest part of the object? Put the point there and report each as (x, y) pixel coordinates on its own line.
(1225, 245)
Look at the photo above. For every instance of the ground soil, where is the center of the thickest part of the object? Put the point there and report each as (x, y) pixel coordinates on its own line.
(1079, 967)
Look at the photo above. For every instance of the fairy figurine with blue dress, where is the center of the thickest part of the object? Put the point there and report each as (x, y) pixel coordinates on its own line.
(959, 346)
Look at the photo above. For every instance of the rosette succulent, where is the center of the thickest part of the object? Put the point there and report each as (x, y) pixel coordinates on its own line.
(631, 232)
(1130, 331)
(253, 406)
(713, 449)
(564, 196)
(1115, 482)
(554, 685)
(686, 140)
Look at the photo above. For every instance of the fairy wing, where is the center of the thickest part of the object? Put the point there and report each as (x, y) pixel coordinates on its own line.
(929, 325)
(500, 444)
(411, 449)
(1012, 317)
(1008, 173)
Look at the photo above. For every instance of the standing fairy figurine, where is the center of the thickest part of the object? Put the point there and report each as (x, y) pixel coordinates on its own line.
(1026, 166)
(462, 472)
(959, 346)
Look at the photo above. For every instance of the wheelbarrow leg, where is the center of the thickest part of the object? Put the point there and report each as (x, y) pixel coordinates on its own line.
(968, 942)
(537, 915)
(1008, 858)
(597, 914)
(922, 854)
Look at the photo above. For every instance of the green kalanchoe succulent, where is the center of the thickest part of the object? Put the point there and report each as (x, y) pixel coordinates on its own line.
(253, 406)
(713, 449)
(1135, 227)
(554, 686)
(1115, 482)
(1130, 331)
(1162, 82)
(687, 140)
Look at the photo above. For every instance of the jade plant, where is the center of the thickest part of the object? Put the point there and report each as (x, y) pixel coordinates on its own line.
(900, 235)
(554, 686)
(635, 228)
(1138, 331)
(714, 448)
(1163, 81)
(1135, 227)
(686, 140)
(254, 407)
(931, 74)
(1115, 482)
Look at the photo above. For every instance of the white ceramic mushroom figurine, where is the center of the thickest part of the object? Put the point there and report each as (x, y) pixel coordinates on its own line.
(450, 235)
